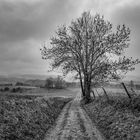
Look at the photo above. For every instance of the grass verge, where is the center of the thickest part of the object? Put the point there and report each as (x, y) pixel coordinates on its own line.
(117, 119)
(28, 117)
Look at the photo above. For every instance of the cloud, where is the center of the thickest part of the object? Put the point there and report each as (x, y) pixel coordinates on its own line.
(129, 14)
(22, 58)
(26, 24)
(23, 20)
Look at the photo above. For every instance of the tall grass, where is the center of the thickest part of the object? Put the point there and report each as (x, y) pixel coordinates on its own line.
(118, 118)
(28, 117)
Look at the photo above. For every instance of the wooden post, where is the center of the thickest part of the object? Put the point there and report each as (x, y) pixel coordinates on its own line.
(105, 93)
(132, 87)
(133, 91)
(126, 90)
(93, 94)
(98, 93)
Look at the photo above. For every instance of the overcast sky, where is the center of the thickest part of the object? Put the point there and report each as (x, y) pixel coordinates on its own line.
(26, 24)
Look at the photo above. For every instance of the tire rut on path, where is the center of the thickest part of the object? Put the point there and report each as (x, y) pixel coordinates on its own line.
(74, 124)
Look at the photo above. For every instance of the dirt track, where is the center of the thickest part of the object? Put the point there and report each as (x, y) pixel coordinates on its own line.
(73, 124)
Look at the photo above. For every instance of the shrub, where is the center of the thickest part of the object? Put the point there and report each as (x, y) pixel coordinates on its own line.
(6, 89)
(18, 89)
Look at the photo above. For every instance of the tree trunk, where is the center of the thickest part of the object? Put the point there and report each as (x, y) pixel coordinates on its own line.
(82, 88)
(87, 87)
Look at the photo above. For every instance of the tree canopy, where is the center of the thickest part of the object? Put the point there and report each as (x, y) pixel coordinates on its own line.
(92, 48)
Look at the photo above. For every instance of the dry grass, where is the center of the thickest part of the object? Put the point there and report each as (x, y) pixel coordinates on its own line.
(68, 92)
(118, 119)
(28, 117)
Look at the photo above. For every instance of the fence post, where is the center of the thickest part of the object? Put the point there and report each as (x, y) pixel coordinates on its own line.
(133, 91)
(126, 90)
(132, 87)
(93, 94)
(105, 93)
(98, 93)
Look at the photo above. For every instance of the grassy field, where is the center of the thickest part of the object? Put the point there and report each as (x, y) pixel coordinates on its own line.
(28, 117)
(117, 118)
(68, 92)
(115, 91)
(29, 114)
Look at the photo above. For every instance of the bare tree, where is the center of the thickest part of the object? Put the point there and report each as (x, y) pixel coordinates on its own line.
(92, 48)
(59, 83)
(49, 83)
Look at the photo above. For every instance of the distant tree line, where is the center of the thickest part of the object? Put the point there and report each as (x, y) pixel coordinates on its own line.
(8, 89)
(58, 83)
(6, 84)
(22, 84)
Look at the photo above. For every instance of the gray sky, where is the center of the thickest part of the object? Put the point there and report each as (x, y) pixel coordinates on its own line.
(26, 24)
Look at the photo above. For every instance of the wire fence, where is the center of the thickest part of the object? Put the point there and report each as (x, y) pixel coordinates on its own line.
(121, 89)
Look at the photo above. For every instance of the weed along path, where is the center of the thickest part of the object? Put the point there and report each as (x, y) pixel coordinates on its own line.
(73, 124)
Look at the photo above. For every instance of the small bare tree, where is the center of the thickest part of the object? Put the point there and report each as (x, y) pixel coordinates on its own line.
(91, 48)
(49, 83)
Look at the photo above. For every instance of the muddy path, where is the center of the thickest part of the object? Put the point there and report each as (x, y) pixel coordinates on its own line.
(73, 124)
